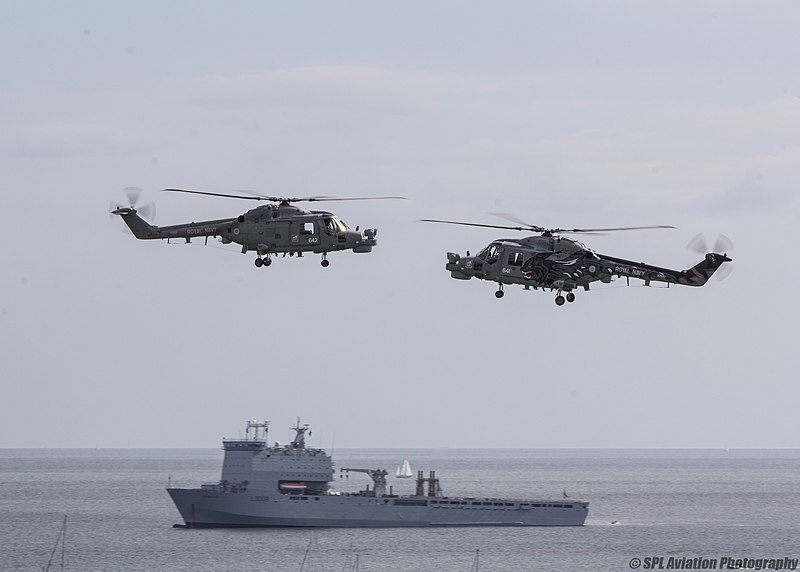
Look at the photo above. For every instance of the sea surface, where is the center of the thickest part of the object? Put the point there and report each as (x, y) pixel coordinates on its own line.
(665, 503)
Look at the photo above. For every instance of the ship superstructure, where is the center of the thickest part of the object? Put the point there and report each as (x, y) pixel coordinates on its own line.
(289, 485)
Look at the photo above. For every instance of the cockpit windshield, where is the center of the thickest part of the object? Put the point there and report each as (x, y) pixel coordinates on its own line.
(490, 254)
(333, 224)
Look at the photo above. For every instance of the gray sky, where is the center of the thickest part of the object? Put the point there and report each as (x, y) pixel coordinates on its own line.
(563, 113)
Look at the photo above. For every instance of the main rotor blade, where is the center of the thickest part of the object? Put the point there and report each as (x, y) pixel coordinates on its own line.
(282, 199)
(587, 230)
(549, 230)
(537, 228)
(476, 224)
(512, 218)
(258, 198)
(351, 199)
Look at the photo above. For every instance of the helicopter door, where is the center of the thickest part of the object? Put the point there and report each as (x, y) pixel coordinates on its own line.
(512, 263)
(304, 234)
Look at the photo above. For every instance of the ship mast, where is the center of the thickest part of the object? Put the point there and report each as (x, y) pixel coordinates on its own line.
(299, 441)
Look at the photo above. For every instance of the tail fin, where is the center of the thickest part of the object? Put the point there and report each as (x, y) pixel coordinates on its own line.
(139, 227)
(699, 274)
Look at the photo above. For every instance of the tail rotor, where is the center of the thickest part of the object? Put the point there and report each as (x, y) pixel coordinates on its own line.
(129, 206)
(722, 245)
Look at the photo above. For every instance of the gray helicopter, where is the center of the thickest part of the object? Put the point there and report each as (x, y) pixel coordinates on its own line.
(275, 228)
(553, 262)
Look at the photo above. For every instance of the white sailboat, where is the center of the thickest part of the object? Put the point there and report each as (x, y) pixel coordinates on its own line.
(404, 470)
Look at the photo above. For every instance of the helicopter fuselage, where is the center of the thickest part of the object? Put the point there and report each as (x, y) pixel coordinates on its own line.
(265, 230)
(553, 262)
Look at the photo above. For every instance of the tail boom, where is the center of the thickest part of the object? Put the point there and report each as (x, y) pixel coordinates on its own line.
(697, 275)
(143, 230)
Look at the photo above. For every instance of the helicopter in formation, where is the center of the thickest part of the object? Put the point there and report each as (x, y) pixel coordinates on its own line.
(278, 227)
(553, 262)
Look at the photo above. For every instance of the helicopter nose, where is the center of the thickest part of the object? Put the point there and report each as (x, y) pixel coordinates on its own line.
(458, 267)
(453, 261)
(362, 243)
(368, 237)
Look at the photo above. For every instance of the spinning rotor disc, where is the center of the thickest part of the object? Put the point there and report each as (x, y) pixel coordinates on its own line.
(254, 196)
(545, 231)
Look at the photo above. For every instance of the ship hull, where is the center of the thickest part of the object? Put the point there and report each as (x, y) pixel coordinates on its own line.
(203, 508)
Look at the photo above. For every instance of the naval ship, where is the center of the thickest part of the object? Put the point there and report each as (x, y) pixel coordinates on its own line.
(290, 485)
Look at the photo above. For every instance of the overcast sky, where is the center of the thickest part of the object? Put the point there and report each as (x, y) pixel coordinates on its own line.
(609, 113)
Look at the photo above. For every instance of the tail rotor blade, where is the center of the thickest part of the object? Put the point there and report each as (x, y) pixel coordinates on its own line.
(147, 212)
(723, 244)
(724, 271)
(133, 194)
(698, 244)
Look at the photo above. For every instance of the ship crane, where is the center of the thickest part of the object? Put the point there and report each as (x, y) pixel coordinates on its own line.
(378, 477)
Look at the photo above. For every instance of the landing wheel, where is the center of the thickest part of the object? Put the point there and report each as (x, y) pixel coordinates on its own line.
(499, 294)
(267, 261)
(325, 262)
(259, 263)
(570, 297)
(560, 300)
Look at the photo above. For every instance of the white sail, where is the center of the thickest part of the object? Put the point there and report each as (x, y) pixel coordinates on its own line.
(404, 470)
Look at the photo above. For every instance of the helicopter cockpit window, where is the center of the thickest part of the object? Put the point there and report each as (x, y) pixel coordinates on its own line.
(340, 224)
(515, 259)
(490, 254)
(333, 224)
(308, 228)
